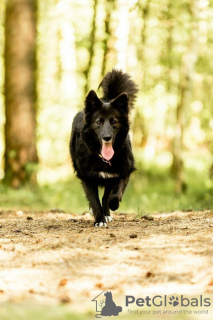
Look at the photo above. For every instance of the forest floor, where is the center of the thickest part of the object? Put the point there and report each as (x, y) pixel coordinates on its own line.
(53, 257)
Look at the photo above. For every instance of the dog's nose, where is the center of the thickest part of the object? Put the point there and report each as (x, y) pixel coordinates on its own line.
(107, 138)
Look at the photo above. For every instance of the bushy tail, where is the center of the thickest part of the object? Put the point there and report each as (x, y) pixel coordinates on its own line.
(116, 82)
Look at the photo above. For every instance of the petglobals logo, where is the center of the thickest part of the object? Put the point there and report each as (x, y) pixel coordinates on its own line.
(164, 301)
(105, 306)
(154, 305)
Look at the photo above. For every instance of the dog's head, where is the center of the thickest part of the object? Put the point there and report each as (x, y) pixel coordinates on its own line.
(107, 121)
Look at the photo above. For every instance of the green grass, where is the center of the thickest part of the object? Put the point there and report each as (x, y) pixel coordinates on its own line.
(147, 192)
(26, 311)
(155, 192)
(11, 311)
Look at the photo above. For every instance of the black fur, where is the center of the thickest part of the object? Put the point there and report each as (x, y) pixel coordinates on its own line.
(102, 120)
(117, 82)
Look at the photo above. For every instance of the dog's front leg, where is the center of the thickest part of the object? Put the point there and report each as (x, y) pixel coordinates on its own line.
(94, 203)
(105, 201)
(117, 193)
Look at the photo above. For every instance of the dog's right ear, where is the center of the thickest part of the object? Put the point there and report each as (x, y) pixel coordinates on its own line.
(92, 102)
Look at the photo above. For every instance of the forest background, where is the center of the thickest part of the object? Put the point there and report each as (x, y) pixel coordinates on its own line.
(53, 52)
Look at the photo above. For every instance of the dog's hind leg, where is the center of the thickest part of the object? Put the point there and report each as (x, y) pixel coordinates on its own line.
(117, 193)
(94, 203)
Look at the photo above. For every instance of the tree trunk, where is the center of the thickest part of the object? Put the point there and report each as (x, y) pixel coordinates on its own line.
(109, 5)
(144, 13)
(186, 80)
(91, 47)
(169, 44)
(20, 92)
(139, 121)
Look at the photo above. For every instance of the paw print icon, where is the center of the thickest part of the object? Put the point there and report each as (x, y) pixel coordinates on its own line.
(174, 301)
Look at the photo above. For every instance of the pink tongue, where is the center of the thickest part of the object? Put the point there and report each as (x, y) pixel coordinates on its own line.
(107, 151)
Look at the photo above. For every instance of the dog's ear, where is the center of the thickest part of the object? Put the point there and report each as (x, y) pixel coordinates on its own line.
(121, 102)
(92, 102)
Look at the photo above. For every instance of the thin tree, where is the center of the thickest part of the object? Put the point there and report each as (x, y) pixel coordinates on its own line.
(91, 48)
(139, 121)
(20, 92)
(109, 7)
(169, 43)
(144, 10)
(186, 80)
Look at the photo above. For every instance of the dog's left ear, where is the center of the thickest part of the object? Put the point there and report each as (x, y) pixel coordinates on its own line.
(121, 102)
(92, 102)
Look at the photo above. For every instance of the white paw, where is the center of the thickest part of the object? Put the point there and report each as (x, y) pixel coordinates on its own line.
(100, 224)
(108, 218)
(91, 211)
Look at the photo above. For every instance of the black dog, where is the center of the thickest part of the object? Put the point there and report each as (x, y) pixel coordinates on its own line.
(100, 146)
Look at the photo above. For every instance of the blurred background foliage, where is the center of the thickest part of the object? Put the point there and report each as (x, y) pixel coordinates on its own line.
(167, 48)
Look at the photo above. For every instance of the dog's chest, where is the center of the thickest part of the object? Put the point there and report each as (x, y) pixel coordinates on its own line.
(107, 175)
(103, 170)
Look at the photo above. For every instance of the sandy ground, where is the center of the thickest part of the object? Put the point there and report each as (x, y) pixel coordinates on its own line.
(53, 257)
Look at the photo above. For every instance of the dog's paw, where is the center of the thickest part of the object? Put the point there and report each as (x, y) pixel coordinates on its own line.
(100, 224)
(108, 218)
(114, 203)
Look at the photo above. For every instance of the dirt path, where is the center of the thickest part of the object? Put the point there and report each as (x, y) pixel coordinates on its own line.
(55, 257)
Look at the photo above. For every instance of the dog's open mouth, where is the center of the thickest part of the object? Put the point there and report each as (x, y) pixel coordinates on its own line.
(107, 151)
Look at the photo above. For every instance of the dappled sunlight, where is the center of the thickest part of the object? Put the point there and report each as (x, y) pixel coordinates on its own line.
(19, 281)
(148, 40)
(50, 175)
(159, 242)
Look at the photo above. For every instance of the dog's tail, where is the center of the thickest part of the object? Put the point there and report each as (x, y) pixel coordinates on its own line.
(116, 82)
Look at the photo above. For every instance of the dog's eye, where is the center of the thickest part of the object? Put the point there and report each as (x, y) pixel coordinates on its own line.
(113, 121)
(98, 121)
